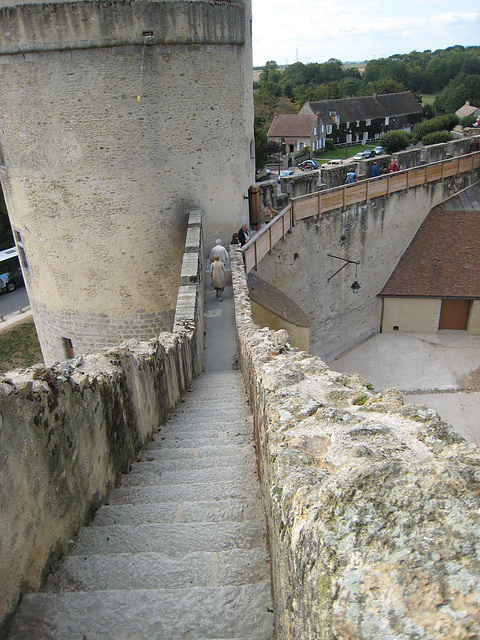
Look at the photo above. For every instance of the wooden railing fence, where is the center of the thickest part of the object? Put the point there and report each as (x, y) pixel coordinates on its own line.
(340, 197)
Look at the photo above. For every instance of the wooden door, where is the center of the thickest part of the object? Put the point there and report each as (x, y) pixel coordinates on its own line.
(254, 206)
(454, 314)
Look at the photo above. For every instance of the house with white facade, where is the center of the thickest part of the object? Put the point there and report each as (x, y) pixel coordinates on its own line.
(365, 118)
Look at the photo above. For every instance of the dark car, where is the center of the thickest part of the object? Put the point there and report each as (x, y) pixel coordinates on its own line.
(11, 280)
(308, 165)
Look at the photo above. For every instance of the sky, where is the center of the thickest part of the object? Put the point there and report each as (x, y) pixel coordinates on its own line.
(316, 30)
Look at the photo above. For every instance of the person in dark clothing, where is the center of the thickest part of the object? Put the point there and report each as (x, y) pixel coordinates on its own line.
(243, 235)
(474, 146)
(375, 171)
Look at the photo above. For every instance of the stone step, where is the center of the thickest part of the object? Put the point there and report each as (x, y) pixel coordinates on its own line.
(147, 494)
(152, 473)
(158, 571)
(219, 441)
(173, 539)
(168, 614)
(171, 459)
(231, 510)
(176, 472)
(201, 451)
(212, 411)
(206, 429)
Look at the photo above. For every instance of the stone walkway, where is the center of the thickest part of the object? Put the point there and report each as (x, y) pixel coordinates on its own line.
(179, 551)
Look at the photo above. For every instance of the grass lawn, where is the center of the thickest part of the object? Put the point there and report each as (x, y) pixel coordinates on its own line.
(19, 347)
(339, 152)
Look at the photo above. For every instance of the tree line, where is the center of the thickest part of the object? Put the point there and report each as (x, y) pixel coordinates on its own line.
(452, 74)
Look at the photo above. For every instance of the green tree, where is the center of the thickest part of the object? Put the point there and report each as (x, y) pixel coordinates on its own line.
(459, 90)
(261, 153)
(394, 141)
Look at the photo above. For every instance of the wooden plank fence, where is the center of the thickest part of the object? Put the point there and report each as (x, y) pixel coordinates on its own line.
(343, 196)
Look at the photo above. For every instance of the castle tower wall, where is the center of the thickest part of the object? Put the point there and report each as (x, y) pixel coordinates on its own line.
(116, 120)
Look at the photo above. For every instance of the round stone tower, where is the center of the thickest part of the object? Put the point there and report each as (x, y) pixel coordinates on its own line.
(117, 119)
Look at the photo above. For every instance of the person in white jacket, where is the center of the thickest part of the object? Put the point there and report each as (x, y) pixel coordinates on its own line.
(220, 251)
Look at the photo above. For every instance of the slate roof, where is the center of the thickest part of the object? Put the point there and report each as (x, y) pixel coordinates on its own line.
(292, 125)
(443, 259)
(366, 107)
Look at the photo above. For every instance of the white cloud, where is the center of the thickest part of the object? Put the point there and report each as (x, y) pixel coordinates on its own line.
(319, 30)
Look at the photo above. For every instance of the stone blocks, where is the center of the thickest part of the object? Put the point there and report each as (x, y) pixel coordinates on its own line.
(373, 506)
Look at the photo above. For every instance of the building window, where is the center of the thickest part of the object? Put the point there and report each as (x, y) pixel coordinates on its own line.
(68, 348)
(314, 131)
(358, 123)
(21, 251)
(329, 128)
(368, 122)
(387, 120)
(323, 128)
(337, 119)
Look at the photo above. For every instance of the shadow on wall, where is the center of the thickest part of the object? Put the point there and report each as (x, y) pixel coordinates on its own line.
(69, 431)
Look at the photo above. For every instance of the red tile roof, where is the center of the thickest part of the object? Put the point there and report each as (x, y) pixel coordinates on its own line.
(292, 125)
(443, 259)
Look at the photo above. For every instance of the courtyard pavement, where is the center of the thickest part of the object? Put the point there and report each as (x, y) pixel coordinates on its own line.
(439, 370)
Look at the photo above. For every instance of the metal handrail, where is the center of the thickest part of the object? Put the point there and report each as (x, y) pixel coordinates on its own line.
(306, 206)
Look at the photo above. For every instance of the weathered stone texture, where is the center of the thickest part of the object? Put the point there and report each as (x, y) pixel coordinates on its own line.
(373, 506)
(68, 432)
(105, 145)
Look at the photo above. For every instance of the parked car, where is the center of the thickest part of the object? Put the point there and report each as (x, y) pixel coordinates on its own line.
(332, 163)
(285, 173)
(308, 165)
(379, 151)
(11, 280)
(364, 155)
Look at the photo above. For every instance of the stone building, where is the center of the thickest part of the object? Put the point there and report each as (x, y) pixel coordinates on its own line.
(434, 285)
(116, 118)
(366, 117)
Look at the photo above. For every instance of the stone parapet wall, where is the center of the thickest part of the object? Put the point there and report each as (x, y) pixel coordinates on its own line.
(290, 187)
(336, 175)
(373, 507)
(90, 332)
(67, 432)
(60, 26)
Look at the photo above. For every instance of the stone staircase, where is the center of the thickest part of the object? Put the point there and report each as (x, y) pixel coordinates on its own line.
(179, 551)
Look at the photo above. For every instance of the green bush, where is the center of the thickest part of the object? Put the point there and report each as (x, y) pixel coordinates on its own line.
(394, 141)
(329, 145)
(436, 137)
(440, 123)
(467, 121)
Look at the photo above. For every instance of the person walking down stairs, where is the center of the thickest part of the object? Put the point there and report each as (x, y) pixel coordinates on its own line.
(179, 552)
